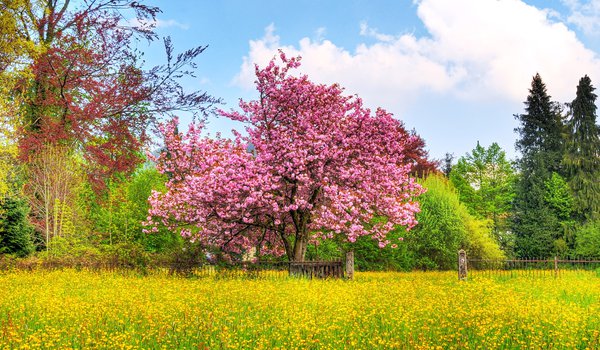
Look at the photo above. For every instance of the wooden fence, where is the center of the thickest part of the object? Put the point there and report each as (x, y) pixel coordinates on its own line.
(317, 269)
(262, 269)
(193, 268)
(532, 267)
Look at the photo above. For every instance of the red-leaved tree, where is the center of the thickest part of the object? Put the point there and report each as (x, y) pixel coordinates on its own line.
(87, 90)
(315, 164)
(81, 99)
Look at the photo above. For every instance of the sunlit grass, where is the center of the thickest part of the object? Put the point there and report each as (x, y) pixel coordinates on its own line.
(76, 309)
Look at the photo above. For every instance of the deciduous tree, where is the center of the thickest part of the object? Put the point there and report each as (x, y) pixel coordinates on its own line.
(86, 89)
(117, 217)
(13, 46)
(55, 179)
(417, 155)
(445, 226)
(321, 165)
(485, 182)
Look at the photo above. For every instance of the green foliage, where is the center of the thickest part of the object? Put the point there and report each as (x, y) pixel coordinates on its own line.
(588, 240)
(445, 226)
(393, 257)
(55, 182)
(479, 242)
(327, 249)
(541, 129)
(118, 216)
(536, 221)
(560, 201)
(67, 252)
(9, 169)
(74, 248)
(558, 197)
(127, 254)
(582, 158)
(548, 220)
(485, 181)
(437, 238)
(16, 234)
(107, 229)
(536, 224)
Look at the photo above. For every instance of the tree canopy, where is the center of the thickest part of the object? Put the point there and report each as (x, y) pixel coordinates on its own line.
(321, 166)
(78, 80)
(485, 182)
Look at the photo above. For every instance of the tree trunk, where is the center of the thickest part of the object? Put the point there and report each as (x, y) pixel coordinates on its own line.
(300, 247)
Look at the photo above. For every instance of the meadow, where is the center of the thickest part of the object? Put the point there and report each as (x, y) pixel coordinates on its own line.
(420, 310)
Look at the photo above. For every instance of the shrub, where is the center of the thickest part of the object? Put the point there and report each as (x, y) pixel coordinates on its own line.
(588, 240)
(445, 226)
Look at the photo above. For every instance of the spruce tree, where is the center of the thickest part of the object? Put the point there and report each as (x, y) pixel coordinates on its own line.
(582, 159)
(16, 232)
(537, 227)
(541, 128)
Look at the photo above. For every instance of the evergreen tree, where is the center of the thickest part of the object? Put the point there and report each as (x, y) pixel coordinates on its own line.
(15, 231)
(582, 159)
(447, 168)
(535, 224)
(541, 129)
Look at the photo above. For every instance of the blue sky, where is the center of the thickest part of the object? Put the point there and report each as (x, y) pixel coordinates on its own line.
(456, 71)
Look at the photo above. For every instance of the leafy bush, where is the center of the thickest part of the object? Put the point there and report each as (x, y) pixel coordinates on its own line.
(588, 240)
(435, 241)
(324, 250)
(118, 215)
(368, 256)
(479, 242)
(445, 226)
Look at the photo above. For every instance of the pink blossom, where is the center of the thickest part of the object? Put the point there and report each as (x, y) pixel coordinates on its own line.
(322, 165)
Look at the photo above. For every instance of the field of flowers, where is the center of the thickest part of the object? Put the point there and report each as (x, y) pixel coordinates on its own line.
(77, 309)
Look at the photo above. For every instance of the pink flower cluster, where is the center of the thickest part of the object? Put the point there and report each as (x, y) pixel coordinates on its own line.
(322, 166)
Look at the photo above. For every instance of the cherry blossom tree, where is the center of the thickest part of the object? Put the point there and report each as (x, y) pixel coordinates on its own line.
(313, 164)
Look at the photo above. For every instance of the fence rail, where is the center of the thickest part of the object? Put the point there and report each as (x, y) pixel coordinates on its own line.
(260, 269)
(317, 269)
(306, 269)
(533, 267)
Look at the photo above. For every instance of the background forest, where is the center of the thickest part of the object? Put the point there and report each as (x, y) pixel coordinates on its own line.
(79, 111)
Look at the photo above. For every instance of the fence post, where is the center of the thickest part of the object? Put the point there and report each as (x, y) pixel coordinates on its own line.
(462, 265)
(350, 264)
(555, 266)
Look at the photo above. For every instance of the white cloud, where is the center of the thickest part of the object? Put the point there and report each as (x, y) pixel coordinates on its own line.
(501, 44)
(365, 30)
(171, 23)
(378, 72)
(158, 23)
(475, 50)
(585, 15)
(320, 34)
